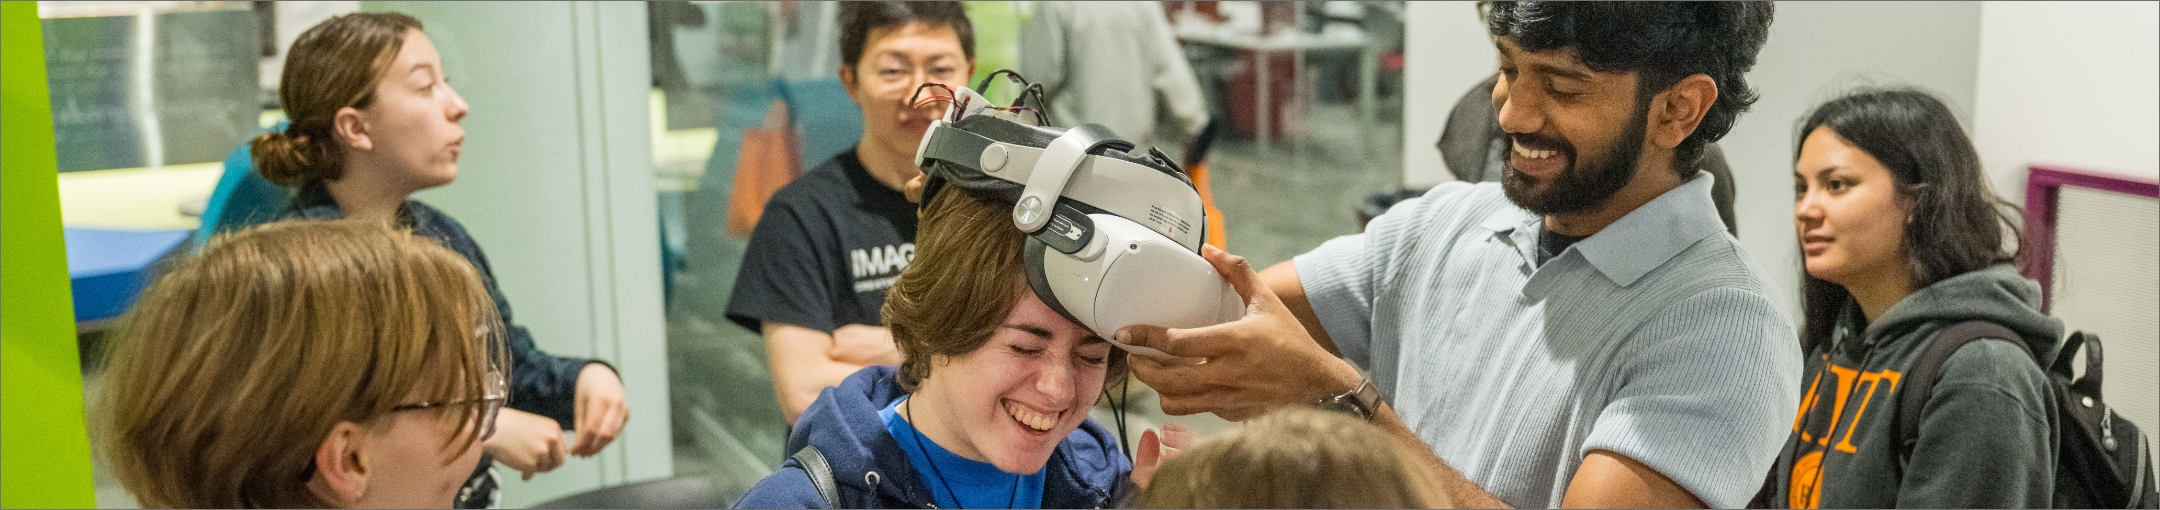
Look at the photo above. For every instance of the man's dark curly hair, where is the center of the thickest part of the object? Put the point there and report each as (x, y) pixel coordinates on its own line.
(1663, 42)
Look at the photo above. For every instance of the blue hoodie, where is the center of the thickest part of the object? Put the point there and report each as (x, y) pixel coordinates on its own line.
(1086, 470)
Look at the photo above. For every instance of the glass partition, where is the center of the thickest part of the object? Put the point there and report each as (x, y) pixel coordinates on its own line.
(1302, 105)
(1306, 112)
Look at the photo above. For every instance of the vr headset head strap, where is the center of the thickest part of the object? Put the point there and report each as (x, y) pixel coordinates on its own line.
(1054, 168)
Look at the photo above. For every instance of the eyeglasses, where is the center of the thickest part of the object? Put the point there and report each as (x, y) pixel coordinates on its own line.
(498, 393)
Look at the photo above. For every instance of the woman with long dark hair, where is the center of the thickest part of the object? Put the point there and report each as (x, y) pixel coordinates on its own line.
(1901, 238)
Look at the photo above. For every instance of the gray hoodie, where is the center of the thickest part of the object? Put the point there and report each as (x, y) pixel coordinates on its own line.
(1987, 437)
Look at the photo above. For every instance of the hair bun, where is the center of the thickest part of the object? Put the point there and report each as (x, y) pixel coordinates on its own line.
(279, 158)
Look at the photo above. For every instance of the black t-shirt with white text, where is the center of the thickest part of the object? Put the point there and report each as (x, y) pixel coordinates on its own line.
(825, 250)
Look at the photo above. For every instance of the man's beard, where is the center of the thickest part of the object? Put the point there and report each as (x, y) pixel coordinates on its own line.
(1578, 189)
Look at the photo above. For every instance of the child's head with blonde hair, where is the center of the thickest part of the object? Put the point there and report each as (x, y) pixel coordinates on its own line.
(1297, 458)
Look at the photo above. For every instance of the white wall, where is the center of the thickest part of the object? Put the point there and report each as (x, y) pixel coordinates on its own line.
(556, 183)
(2068, 83)
(1445, 52)
(1818, 51)
(2077, 84)
(292, 19)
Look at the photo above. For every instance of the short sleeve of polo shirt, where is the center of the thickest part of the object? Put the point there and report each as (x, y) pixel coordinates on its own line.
(1688, 403)
(1698, 390)
(1342, 277)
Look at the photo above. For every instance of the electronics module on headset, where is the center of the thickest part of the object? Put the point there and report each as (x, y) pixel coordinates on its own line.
(1114, 234)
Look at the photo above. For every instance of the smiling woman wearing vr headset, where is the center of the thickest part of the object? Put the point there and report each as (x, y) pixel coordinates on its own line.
(988, 407)
(1033, 240)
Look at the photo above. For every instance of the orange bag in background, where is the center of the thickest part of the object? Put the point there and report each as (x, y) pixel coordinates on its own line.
(770, 158)
(1215, 235)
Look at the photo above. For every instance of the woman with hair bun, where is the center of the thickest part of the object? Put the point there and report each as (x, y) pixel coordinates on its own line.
(373, 120)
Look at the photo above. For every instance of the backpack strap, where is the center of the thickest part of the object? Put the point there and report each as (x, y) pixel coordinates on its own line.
(1919, 381)
(821, 474)
(2089, 384)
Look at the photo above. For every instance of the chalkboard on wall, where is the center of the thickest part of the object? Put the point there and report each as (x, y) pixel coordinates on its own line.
(151, 89)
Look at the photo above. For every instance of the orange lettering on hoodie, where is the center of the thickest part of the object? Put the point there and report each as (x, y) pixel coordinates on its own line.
(1807, 403)
(1872, 380)
(1844, 389)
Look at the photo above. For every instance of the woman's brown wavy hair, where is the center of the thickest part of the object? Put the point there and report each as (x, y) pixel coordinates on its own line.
(967, 276)
(234, 366)
(331, 66)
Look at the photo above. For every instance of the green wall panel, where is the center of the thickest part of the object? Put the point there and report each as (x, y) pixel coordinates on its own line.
(44, 448)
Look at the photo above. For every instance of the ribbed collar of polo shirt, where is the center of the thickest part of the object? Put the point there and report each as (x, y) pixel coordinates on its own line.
(1629, 248)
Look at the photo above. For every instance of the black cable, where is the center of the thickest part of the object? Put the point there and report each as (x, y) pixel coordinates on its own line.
(984, 86)
(1118, 405)
(950, 95)
(1117, 411)
(1042, 106)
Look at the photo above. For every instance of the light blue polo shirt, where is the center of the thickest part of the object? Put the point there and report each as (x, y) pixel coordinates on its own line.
(1656, 339)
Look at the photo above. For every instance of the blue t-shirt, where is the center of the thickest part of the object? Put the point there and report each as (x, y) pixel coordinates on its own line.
(978, 484)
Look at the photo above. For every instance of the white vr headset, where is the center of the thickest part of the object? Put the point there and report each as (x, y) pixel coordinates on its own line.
(1113, 237)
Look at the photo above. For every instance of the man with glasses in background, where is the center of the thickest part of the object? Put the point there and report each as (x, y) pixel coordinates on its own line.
(828, 245)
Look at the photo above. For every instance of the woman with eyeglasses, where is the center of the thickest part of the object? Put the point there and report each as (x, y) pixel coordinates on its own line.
(304, 364)
(374, 120)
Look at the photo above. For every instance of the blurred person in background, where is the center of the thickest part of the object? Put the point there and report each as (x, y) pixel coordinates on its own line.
(830, 244)
(1117, 64)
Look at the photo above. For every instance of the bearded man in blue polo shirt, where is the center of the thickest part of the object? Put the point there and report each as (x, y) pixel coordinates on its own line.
(1582, 333)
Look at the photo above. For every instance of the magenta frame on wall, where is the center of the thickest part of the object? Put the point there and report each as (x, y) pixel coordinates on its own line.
(2042, 191)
